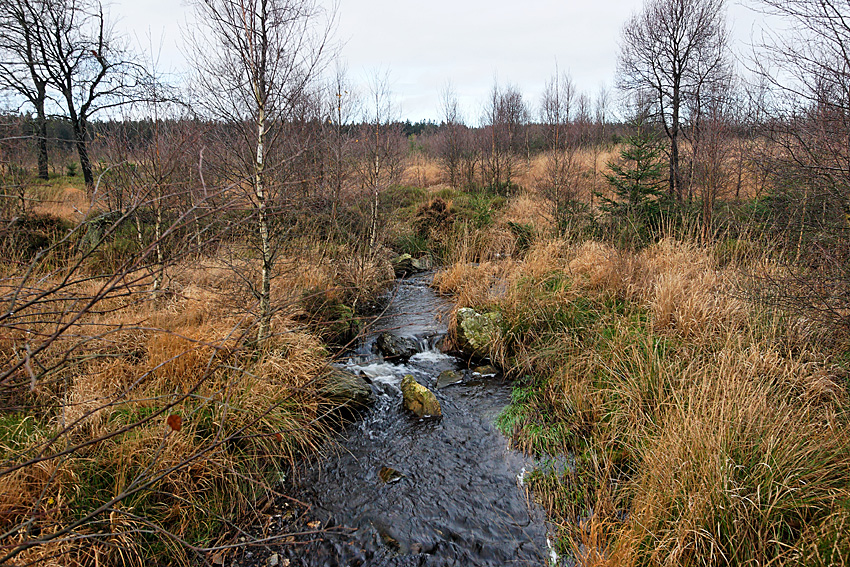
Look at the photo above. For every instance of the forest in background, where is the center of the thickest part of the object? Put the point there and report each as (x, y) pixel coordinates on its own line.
(180, 267)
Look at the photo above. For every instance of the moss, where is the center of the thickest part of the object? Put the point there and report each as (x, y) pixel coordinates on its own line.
(477, 331)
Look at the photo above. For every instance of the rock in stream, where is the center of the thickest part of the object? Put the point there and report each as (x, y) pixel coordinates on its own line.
(419, 399)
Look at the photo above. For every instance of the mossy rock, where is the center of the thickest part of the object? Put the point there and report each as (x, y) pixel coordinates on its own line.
(402, 265)
(395, 347)
(419, 399)
(334, 321)
(476, 331)
(406, 264)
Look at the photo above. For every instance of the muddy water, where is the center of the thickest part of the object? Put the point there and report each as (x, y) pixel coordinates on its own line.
(449, 491)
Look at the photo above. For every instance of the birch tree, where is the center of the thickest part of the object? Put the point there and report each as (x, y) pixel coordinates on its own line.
(505, 118)
(450, 146)
(341, 108)
(380, 148)
(255, 58)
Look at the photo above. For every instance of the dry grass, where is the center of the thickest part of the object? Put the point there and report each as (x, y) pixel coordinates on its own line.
(247, 414)
(528, 207)
(62, 200)
(422, 171)
(725, 441)
(586, 160)
(469, 284)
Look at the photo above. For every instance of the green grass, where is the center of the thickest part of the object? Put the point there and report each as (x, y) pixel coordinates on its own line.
(16, 433)
(401, 200)
(528, 420)
(479, 208)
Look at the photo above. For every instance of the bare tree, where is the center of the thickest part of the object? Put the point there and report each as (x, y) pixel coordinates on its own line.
(599, 142)
(14, 180)
(713, 143)
(505, 117)
(807, 117)
(601, 112)
(559, 182)
(672, 50)
(380, 150)
(342, 106)
(84, 61)
(21, 69)
(450, 146)
(255, 58)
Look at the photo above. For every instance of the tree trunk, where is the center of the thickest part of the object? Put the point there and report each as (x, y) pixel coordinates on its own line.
(675, 181)
(263, 229)
(373, 221)
(160, 259)
(41, 140)
(81, 141)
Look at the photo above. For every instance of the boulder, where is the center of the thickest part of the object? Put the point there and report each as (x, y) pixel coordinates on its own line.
(406, 264)
(403, 265)
(392, 346)
(419, 399)
(475, 331)
(423, 264)
(347, 391)
(447, 378)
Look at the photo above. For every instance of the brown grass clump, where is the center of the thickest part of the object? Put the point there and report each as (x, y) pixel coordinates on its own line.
(699, 437)
(176, 359)
(65, 202)
(469, 284)
(751, 464)
(170, 410)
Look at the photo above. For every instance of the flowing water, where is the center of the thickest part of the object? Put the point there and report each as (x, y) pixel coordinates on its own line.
(404, 491)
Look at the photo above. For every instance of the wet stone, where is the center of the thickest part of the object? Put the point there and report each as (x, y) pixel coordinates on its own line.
(347, 391)
(419, 399)
(448, 378)
(392, 346)
(486, 371)
(406, 264)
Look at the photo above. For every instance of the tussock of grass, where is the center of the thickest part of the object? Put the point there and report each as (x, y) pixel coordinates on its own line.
(699, 431)
(247, 413)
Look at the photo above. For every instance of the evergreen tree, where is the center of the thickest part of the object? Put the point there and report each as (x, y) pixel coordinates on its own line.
(637, 179)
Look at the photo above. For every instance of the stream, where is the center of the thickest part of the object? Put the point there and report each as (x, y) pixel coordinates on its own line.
(403, 491)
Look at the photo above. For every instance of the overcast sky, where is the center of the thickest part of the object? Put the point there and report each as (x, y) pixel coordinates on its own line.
(424, 44)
